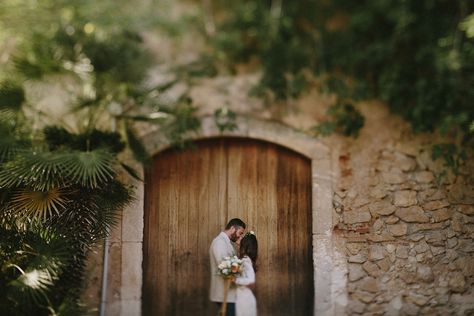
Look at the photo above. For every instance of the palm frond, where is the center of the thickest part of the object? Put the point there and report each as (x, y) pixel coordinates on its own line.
(44, 171)
(12, 95)
(32, 285)
(138, 149)
(10, 147)
(90, 168)
(40, 205)
(41, 171)
(131, 171)
(34, 259)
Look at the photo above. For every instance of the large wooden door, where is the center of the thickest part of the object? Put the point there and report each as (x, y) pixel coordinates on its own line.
(189, 197)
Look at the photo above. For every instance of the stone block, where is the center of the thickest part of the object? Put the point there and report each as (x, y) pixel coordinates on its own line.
(363, 296)
(132, 221)
(354, 248)
(398, 230)
(355, 272)
(452, 242)
(425, 274)
(359, 258)
(131, 271)
(457, 282)
(466, 245)
(380, 237)
(376, 252)
(421, 247)
(436, 238)
(378, 225)
(465, 209)
(354, 217)
(434, 205)
(466, 265)
(417, 299)
(427, 226)
(441, 215)
(131, 308)
(407, 277)
(355, 307)
(437, 250)
(369, 284)
(384, 264)
(378, 193)
(432, 195)
(393, 177)
(382, 208)
(413, 214)
(392, 219)
(402, 252)
(410, 309)
(416, 237)
(424, 177)
(371, 268)
(405, 198)
(394, 306)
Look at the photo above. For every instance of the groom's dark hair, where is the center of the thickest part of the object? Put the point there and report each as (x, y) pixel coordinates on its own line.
(235, 222)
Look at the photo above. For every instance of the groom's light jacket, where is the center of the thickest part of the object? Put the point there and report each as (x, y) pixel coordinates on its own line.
(220, 247)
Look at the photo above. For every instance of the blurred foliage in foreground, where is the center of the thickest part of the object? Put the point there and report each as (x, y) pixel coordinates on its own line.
(60, 192)
(417, 56)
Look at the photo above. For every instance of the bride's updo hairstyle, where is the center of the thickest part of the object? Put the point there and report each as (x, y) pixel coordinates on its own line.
(249, 247)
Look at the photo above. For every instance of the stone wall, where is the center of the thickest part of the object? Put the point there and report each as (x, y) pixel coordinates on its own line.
(409, 240)
(408, 232)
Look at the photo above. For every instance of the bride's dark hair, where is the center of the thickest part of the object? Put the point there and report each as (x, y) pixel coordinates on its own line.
(249, 247)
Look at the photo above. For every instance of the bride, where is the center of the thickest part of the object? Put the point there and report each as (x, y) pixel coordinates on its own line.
(245, 302)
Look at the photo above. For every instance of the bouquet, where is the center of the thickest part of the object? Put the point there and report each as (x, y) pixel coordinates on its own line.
(228, 268)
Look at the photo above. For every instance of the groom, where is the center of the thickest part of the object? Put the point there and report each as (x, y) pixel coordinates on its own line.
(222, 246)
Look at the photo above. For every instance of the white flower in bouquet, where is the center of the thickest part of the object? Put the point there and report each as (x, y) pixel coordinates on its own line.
(230, 266)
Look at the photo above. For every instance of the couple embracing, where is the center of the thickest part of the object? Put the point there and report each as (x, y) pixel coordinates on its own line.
(230, 242)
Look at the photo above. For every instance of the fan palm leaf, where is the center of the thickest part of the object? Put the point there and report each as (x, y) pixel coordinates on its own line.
(35, 283)
(34, 259)
(10, 145)
(90, 168)
(41, 171)
(40, 205)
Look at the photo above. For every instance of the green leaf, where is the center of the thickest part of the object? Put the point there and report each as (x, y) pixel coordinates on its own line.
(138, 149)
(325, 128)
(40, 205)
(89, 168)
(12, 95)
(344, 118)
(41, 171)
(132, 172)
(225, 119)
(452, 155)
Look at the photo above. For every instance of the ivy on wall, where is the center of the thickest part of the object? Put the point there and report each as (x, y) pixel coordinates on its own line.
(417, 56)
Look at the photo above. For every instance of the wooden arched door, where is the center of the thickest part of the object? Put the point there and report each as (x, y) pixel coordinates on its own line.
(189, 197)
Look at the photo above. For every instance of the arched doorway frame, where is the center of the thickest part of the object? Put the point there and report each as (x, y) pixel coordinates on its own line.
(329, 263)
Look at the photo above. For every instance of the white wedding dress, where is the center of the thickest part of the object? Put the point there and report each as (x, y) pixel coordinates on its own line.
(245, 302)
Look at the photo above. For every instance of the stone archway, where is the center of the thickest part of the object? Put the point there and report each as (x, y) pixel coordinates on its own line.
(329, 270)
